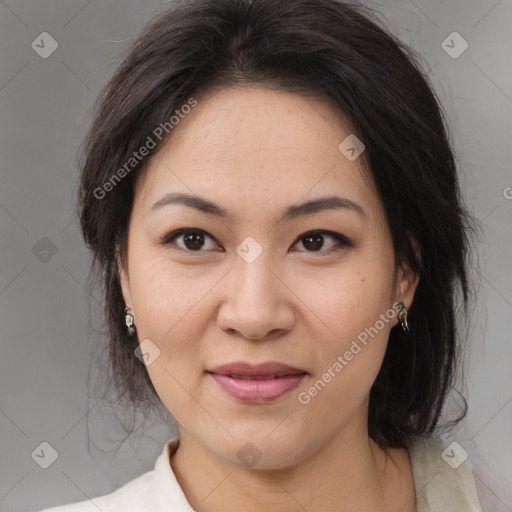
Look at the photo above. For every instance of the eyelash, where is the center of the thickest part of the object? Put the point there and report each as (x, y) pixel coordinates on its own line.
(341, 240)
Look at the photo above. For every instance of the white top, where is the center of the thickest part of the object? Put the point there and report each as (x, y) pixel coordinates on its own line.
(439, 487)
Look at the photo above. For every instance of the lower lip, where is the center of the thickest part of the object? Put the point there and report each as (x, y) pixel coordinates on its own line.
(258, 390)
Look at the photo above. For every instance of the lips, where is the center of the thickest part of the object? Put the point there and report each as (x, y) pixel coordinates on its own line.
(258, 377)
(262, 383)
(264, 371)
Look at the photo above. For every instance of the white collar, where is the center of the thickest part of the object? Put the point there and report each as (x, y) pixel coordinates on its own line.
(168, 489)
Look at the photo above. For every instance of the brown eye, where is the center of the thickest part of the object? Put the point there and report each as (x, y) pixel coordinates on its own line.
(192, 240)
(315, 241)
(197, 240)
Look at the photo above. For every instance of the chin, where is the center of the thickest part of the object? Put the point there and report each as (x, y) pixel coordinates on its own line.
(262, 452)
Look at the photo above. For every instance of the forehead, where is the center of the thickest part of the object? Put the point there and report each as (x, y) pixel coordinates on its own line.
(264, 144)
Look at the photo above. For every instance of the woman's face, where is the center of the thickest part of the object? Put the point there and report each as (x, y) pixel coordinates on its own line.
(244, 283)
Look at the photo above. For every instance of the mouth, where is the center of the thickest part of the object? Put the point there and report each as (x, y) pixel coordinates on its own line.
(257, 384)
(260, 377)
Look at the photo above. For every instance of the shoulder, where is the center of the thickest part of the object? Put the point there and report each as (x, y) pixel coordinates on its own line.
(443, 476)
(137, 495)
(155, 491)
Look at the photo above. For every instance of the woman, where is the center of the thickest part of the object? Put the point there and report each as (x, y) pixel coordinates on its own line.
(272, 203)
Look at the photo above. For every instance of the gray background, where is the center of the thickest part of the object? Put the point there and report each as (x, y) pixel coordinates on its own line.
(46, 334)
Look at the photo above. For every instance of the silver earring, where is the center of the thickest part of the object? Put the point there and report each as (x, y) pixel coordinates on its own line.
(402, 316)
(128, 318)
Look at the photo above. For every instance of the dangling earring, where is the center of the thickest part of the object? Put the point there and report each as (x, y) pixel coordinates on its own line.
(402, 316)
(128, 318)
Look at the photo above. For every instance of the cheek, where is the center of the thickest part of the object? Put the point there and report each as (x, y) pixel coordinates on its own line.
(170, 302)
(355, 309)
(348, 299)
(169, 299)
(347, 370)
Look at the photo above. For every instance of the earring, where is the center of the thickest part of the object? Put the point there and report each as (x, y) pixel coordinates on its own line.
(402, 316)
(128, 318)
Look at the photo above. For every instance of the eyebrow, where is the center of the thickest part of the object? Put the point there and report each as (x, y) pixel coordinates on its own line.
(292, 212)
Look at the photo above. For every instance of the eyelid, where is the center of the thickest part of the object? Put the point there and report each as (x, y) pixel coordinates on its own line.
(340, 239)
(169, 238)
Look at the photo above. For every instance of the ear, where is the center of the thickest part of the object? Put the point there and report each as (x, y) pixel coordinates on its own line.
(124, 279)
(407, 281)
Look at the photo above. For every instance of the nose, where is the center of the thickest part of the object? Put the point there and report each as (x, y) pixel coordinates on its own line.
(257, 303)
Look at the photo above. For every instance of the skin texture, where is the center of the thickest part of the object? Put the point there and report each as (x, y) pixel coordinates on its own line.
(256, 151)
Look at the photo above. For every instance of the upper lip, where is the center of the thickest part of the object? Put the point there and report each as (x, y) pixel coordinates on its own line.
(270, 368)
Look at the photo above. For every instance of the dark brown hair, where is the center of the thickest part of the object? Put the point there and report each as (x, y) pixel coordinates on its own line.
(336, 51)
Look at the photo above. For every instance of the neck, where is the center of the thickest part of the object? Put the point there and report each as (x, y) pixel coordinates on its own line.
(350, 473)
